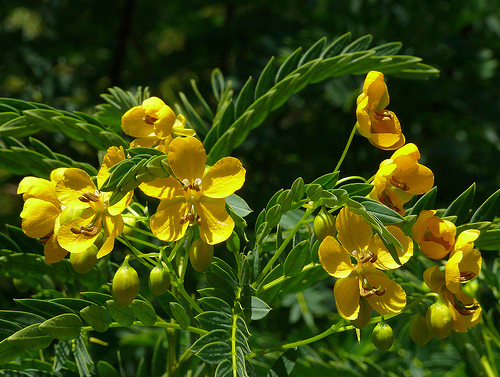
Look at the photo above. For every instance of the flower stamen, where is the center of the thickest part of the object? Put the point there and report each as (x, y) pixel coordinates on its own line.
(149, 119)
(89, 197)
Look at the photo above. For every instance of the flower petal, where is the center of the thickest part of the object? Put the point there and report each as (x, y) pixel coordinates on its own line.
(215, 224)
(76, 182)
(53, 251)
(434, 279)
(33, 187)
(392, 301)
(418, 178)
(224, 178)
(76, 243)
(163, 188)
(119, 207)
(39, 217)
(166, 222)
(346, 292)
(187, 158)
(334, 258)
(166, 119)
(452, 272)
(384, 258)
(353, 232)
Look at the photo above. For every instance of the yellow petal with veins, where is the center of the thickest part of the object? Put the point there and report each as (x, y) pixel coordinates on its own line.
(224, 178)
(53, 251)
(353, 232)
(163, 188)
(334, 258)
(346, 292)
(166, 223)
(39, 217)
(392, 301)
(187, 158)
(76, 182)
(215, 224)
(384, 258)
(76, 243)
(33, 187)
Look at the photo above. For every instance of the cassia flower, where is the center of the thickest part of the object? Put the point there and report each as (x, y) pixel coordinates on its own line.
(77, 192)
(401, 177)
(465, 310)
(464, 263)
(196, 196)
(41, 212)
(434, 235)
(380, 126)
(364, 279)
(153, 123)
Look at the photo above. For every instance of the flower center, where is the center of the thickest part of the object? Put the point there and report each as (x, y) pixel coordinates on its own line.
(364, 256)
(466, 276)
(192, 190)
(191, 216)
(366, 290)
(399, 183)
(463, 308)
(94, 199)
(149, 119)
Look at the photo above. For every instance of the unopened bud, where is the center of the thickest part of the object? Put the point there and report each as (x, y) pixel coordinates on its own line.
(200, 255)
(439, 320)
(84, 261)
(159, 280)
(419, 332)
(382, 336)
(125, 285)
(324, 225)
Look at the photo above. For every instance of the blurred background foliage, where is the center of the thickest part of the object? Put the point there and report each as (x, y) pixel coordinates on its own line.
(66, 53)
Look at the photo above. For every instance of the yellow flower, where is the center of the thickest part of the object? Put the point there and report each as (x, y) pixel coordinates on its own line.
(464, 263)
(41, 212)
(364, 278)
(465, 310)
(401, 177)
(197, 196)
(435, 236)
(380, 126)
(152, 124)
(77, 192)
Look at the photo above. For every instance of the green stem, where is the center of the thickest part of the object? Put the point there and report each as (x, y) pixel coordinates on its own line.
(165, 325)
(346, 179)
(344, 153)
(276, 255)
(139, 230)
(141, 257)
(282, 279)
(188, 298)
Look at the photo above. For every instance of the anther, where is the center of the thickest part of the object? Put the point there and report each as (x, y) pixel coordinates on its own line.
(383, 115)
(75, 230)
(89, 197)
(149, 119)
(90, 232)
(400, 184)
(466, 276)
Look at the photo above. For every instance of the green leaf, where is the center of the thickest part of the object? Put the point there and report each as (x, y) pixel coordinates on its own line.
(218, 83)
(296, 259)
(489, 240)
(9, 351)
(165, 299)
(62, 354)
(42, 307)
(194, 120)
(215, 304)
(211, 337)
(426, 202)
(245, 98)
(212, 320)
(359, 44)
(18, 127)
(224, 369)
(42, 148)
(225, 273)
(179, 314)
(144, 312)
(105, 369)
(460, 206)
(62, 327)
(283, 366)
(298, 189)
(390, 48)
(273, 215)
(327, 181)
(289, 65)
(74, 304)
(360, 189)
(336, 46)
(314, 191)
(124, 316)
(31, 338)
(488, 210)
(214, 353)
(21, 318)
(8, 328)
(259, 309)
(266, 79)
(238, 205)
(313, 52)
(379, 210)
(285, 199)
(82, 357)
(97, 317)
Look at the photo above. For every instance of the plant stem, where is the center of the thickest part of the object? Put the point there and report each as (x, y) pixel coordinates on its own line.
(344, 153)
(282, 279)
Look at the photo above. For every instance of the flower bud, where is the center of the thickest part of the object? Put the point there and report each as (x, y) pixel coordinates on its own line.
(364, 314)
(125, 287)
(324, 225)
(85, 261)
(439, 320)
(419, 332)
(159, 280)
(382, 336)
(200, 255)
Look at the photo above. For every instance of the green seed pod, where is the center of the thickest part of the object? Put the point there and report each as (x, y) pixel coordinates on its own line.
(159, 280)
(85, 261)
(419, 332)
(439, 320)
(382, 336)
(125, 285)
(200, 255)
(364, 315)
(324, 225)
